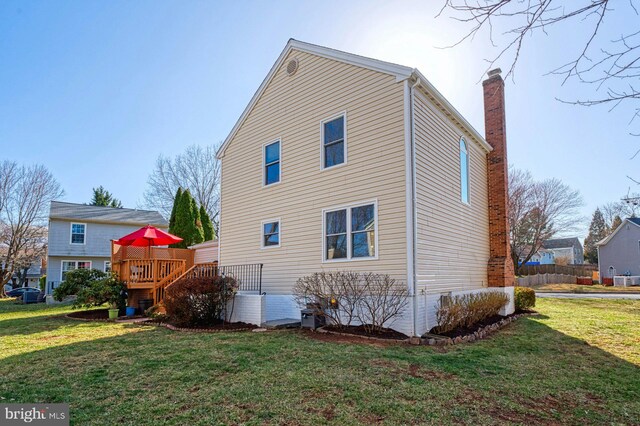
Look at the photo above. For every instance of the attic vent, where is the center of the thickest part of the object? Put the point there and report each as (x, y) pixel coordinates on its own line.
(292, 67)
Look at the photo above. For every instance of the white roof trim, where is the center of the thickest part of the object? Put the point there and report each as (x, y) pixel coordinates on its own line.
(398, 71)
(607, 239)
(430, 88)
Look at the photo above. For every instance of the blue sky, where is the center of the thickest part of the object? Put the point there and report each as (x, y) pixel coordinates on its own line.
(97, 90)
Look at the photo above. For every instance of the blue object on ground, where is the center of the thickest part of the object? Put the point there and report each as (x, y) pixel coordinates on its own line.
(131, 311)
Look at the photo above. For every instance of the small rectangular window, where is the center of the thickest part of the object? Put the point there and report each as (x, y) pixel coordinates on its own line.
(350, 232)
(271, 234)
(272, 163)
(333, 142)
(107, 266)
(78, 233)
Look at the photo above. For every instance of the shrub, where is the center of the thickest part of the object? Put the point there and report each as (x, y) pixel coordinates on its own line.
(467, 309)
(76, 280)
(525, 298)
(343, 297)
(199, 301)
(106, 290)
(43, 283)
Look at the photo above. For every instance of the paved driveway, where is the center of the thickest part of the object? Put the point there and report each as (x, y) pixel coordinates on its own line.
(590, 295)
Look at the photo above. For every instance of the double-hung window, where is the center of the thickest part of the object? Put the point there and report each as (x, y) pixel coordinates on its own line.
(464, 171)
(271, 233)
(271, 157)
(70, 265)
(334, 142)
(350, 232)
(78, 232)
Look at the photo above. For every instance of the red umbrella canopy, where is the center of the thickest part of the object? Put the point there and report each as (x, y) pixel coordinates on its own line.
(148, 236)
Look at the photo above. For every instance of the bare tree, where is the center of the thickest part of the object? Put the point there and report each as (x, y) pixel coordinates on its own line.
(198, 170)
(619, 208)
(25, 206)
(611, 66)
(538, 211)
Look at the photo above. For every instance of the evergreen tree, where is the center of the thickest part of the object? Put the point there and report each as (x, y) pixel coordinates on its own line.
(617, 221)
(597, 231)
(102, 197)
(172, 218)
(196, 231)
(183, 219)
(207, 225)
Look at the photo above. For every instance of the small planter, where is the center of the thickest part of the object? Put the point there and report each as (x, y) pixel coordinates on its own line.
(131, 311)
(113, 313)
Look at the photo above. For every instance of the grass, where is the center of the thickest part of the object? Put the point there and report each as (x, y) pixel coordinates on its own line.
(578, 362)
(575, 288)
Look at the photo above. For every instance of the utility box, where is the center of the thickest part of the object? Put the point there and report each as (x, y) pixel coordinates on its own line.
(311, 318)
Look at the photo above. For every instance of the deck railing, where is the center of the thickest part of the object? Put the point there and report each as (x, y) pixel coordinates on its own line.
(249, 277)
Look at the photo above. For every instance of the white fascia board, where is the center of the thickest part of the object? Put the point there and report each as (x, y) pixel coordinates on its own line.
(446, 105)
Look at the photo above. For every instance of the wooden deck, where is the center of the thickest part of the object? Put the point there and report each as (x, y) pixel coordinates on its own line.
(148, 270)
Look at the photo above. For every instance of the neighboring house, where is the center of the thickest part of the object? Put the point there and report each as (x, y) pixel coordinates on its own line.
(80, 236)
(541, 257)
(32, 279)
(569, 249)
(619, 253)
(341, 162)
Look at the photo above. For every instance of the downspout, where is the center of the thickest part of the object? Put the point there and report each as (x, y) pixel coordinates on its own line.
(412, 206)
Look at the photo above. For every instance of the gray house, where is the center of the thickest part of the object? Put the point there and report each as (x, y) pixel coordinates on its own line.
(566, 248)
(80, 236)
(619, 253)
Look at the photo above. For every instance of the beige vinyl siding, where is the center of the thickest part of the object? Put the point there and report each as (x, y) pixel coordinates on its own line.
(291, 109)
(206, 253)
(452, 247)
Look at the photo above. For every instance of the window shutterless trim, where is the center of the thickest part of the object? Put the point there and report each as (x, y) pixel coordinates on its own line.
(466, 151)
(262, 234)
(342, 114)
(264, 162)
(62, 262)
(349, 207)
(84, 238)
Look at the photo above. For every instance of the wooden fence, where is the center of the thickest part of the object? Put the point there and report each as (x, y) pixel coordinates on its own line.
(575, 270)
(540, 279)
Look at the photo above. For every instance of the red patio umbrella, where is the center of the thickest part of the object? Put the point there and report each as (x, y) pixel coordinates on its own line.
(148, 236)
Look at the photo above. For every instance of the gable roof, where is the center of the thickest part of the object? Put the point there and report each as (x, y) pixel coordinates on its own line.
(400, 72)
(633, 220)
(561, 243)
(100, 214)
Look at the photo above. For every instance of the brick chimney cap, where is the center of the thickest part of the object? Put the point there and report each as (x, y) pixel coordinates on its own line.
(494, 72)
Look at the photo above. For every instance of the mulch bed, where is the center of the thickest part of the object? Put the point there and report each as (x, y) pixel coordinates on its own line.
(95, 315)
(359, 330)
(222, 327)
(463, 331)
(92, 315)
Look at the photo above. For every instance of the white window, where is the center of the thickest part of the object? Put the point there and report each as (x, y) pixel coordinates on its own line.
(271, 160)
(271, 233)
(70, 265)
(78, 233)
(334, 141)
(107, 266)
(350, 233)
(464, 171)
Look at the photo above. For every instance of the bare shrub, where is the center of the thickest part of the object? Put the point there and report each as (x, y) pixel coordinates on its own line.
(384, 300)
(344, 297)
(199, 301)
(468, 309)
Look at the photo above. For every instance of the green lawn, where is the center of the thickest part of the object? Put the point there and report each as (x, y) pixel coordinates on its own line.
(578, 362)
(575, 288)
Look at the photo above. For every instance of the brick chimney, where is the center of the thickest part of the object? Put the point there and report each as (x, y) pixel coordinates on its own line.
(500, 269)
